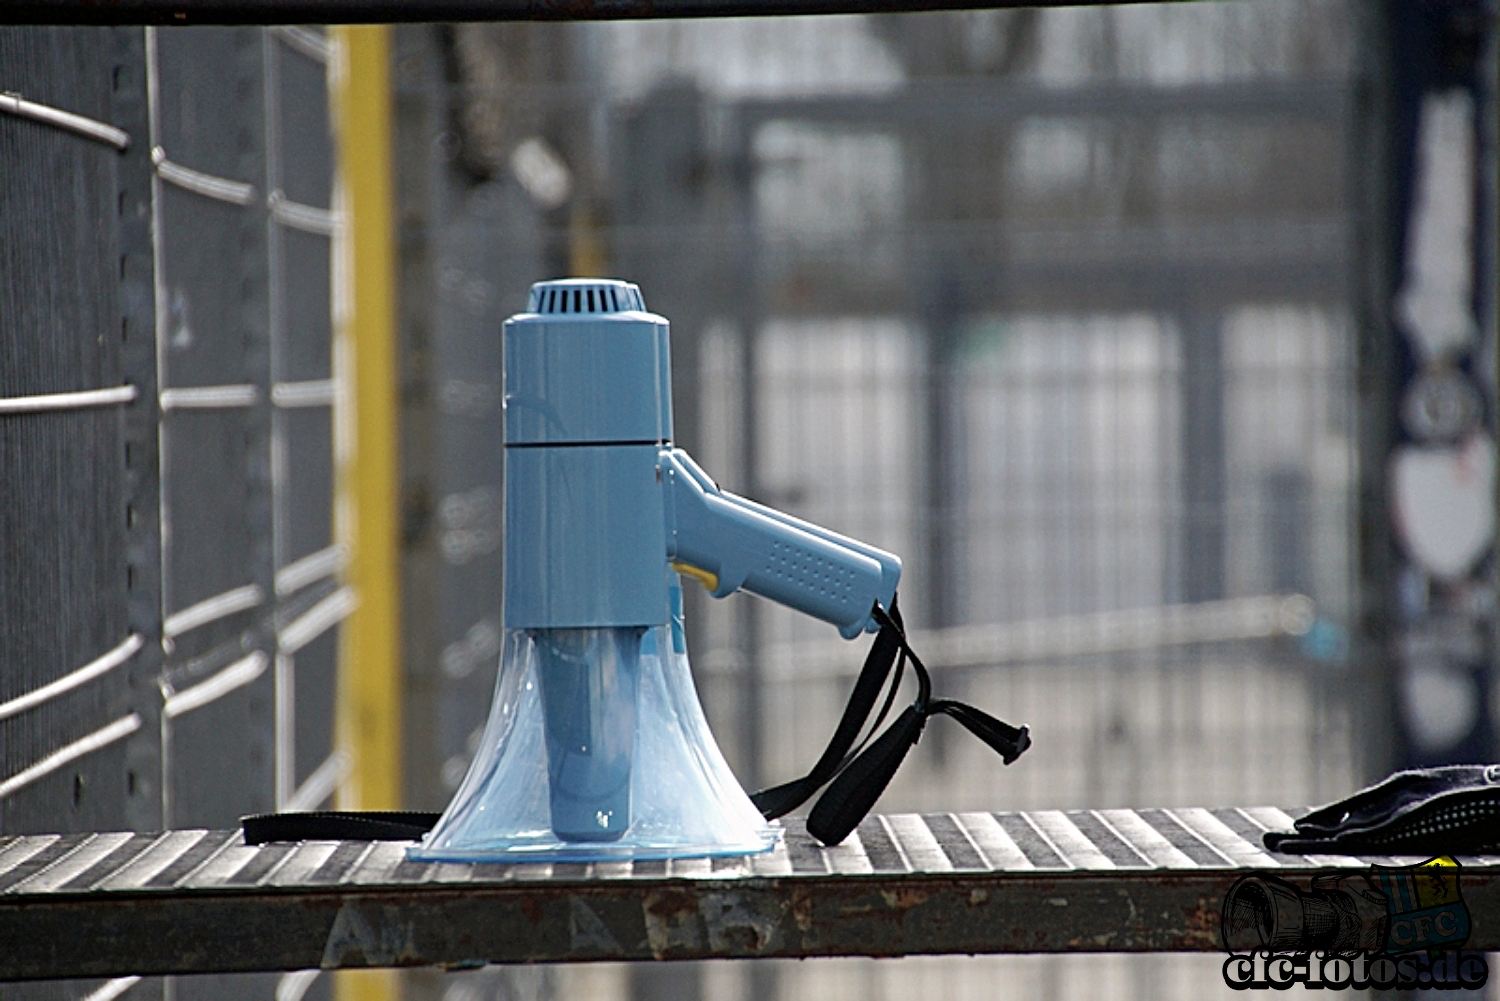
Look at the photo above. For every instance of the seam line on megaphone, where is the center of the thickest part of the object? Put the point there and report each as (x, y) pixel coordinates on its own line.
(587, 443)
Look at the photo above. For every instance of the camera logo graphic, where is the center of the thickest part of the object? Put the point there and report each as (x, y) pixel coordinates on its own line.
(1390, 927)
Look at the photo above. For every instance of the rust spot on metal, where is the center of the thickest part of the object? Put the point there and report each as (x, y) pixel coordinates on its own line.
(531, 906)
(803, 907)
(740, 924)
(673, 925)
(459, 965)
(904, 898)
(743, 939)
(1202, 931)
(671, 903)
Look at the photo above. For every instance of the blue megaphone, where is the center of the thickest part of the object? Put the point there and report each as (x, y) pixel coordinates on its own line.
(597, 747)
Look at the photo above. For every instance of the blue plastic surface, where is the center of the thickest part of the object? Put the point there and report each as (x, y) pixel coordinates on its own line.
(592, 377)
(585, 538)
(752, 547)
(684, 800)
(588, 680)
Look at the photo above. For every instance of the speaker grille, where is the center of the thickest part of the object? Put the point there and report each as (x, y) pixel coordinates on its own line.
(579, 295)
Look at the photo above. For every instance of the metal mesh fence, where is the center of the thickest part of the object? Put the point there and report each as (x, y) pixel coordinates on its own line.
(63, 601)
(169, 586)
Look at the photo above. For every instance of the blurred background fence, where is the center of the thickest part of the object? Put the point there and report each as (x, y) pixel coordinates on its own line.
(1071, 308)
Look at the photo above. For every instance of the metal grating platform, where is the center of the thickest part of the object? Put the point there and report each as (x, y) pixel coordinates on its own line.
(97, 905)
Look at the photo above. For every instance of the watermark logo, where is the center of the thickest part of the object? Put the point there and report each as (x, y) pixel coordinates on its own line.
(1402, 927)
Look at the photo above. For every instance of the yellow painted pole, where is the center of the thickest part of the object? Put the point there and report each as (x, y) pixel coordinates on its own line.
(368, 722)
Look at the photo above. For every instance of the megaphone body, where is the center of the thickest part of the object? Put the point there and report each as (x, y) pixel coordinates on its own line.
(597, 746)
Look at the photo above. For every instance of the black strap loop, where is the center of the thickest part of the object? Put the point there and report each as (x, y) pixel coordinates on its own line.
(853, 793)
(884, 652)
(337, 825)
(859, 778)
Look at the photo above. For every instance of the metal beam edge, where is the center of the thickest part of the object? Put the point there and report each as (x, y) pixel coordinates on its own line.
(630, 919)
(272, 12)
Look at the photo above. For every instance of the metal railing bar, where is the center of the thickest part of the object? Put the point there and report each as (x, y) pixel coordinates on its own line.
(317, 620)
(100, 738)
(306, 42)
(284, 729)
(993, 843)
(236, 675)
(167, 877)
(112, 989)
(218, 188)
(300, 573)
(17, 105)
(209, 397)
(270, 12)
(1197, 836)
(313, 393)
(321, 783)
(81, 864)
(211, 609)
(1033, 640)
(80, 400)
(1221, 838)
(307, 218)
(82, 676)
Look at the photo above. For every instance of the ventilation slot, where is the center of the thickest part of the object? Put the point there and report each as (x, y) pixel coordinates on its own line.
(581, 297)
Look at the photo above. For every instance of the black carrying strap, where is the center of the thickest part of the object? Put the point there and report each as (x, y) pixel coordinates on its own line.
(337, 825)
(860, 778)
(884, 652)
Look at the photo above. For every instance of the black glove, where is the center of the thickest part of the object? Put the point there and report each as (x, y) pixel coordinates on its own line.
(1429, 811)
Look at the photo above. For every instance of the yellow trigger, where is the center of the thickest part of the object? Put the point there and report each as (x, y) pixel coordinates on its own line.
(708, 580)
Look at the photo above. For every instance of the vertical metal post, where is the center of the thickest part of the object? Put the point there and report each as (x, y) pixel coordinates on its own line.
(137, 248)
(163, 451)
(944, 447)
(1201, 571)
(421, 111)
(255, 283)
(762, 980)
(1374, 710)
(747, 314)
(944, 461)
(369, 674)
(284, 683)
(369, 670)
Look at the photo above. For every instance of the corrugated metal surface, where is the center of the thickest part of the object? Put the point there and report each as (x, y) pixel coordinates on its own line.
(903, 884)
